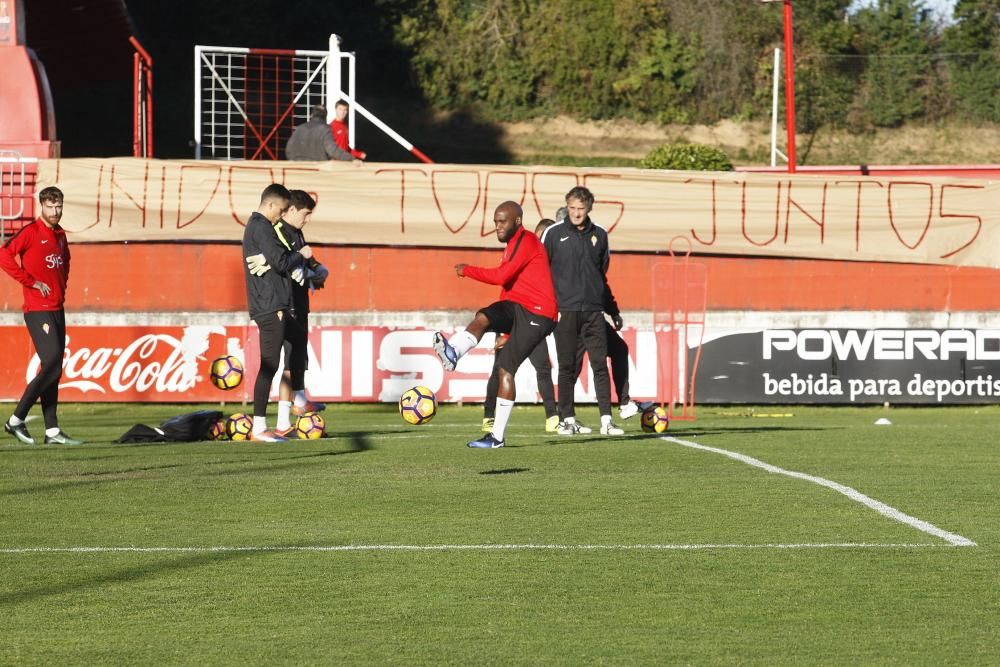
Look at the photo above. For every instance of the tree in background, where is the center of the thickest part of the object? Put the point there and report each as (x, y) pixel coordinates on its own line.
(827, 70)
(974, 42)
(898, 37)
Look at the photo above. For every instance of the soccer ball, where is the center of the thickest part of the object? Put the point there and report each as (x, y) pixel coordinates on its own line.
(310, 426)
(417, 405)
(217, 431)
(239, 426)
(655, 420)
(227, 372)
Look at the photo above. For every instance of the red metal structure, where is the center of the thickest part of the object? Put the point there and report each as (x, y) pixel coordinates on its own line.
(680, 301)
(142, 101)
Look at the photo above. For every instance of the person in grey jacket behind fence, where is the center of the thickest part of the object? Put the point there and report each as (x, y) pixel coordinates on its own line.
(314, 141)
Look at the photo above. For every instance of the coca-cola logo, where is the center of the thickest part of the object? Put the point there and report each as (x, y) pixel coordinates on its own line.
(152, 362)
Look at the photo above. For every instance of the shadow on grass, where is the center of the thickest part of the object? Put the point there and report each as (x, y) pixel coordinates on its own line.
(358, 442)
(128, 575)
(505, 471)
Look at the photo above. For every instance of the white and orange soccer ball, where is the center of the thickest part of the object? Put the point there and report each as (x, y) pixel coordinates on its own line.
(417, 405)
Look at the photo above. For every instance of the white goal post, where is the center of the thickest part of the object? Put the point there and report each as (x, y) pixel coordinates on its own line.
(247, 101)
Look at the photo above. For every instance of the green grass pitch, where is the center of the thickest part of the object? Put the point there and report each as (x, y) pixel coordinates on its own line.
(395, 544)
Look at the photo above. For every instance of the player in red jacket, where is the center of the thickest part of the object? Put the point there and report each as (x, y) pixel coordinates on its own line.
(340, 133)
(38, 258)
(526, 310)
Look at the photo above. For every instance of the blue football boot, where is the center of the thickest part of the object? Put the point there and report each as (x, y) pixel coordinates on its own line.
(488, 441)
(449, 358)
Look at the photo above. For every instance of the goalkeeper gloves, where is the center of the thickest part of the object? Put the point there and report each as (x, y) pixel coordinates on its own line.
(258, 265)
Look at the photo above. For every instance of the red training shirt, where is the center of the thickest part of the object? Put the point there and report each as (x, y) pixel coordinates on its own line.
(44, 255)
(523, 275)
(340, 135)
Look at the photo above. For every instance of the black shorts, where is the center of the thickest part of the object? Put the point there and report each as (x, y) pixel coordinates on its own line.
(526, 332)
(501, 316)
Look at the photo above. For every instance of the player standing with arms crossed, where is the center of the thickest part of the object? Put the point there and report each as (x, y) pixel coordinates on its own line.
(292, 397)
(527, 303)
(269, 294)
(43, 271)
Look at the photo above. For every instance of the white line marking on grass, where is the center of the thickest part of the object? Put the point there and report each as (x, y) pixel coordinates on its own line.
(853, 494)
(460, 547)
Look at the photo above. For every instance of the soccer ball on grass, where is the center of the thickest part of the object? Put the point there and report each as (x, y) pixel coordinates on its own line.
(239, 426)
(417, 405)
(217, 431)
(310, 426)
(655, 420)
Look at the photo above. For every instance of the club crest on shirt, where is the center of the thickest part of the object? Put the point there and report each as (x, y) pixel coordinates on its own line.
(45, 327)
(593, 240)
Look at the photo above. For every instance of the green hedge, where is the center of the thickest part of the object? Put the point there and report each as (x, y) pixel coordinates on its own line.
(687, 157)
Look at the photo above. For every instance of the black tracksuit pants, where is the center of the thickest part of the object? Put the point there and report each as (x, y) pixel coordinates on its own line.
(272, 338)
(48, 332)
(618, 354)
(588, 328)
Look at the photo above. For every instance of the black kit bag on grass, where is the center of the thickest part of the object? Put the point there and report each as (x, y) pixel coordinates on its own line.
(190, 427)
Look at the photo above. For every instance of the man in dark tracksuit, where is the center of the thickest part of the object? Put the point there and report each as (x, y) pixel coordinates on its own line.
(292, 398)
(579, 254)
(269, 293)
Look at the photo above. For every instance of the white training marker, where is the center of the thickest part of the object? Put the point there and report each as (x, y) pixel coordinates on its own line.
(882, 421)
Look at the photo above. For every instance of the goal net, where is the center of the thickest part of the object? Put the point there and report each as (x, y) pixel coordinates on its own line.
(247, 101)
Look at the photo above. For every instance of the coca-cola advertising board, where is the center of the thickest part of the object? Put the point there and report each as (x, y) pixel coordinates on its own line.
(346, 363)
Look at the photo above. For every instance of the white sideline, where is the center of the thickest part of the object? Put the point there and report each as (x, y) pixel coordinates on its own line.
(462, 547)
(853, 494)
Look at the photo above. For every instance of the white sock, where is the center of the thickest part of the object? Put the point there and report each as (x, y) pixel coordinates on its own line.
(463, 341)
(504, 408)
(14, 421)
(52, 431)
(284, 415)
(605, 420)
(570, 420)
(259, 424)
(300, 398)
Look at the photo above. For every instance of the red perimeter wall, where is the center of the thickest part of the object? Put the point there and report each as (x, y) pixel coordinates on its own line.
(208, 277)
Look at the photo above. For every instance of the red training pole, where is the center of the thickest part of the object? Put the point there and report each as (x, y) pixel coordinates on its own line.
(789, 87)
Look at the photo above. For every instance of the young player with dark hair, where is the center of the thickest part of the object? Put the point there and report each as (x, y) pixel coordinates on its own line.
(579, 253)
(341, 133)
(269, 294)
(526, 309)
(43, 271)
(292, 399)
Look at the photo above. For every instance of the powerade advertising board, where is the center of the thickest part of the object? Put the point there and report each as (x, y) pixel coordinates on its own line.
(850, 366)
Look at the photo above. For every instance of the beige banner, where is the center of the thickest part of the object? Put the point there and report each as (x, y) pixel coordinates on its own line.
(913, 219)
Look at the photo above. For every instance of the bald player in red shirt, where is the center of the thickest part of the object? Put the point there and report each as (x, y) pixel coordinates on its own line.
(38, 258)
(526, 310)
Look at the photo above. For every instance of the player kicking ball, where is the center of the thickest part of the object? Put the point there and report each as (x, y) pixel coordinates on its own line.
(526, 310)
